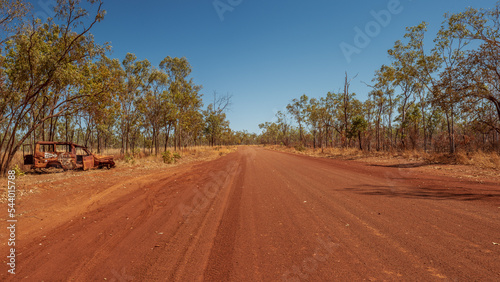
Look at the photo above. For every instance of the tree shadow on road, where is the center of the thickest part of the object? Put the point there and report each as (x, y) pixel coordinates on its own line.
(428, 192)
(409, 165)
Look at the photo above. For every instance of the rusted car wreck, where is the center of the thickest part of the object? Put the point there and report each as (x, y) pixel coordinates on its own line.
(65, 155)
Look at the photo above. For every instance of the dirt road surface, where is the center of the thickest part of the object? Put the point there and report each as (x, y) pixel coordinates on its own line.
(261, 215)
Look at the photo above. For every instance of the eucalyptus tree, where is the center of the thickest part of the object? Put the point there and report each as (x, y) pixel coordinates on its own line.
(447, 93)
(284, 127)
(379, 103)
(215, 118)
(325, 120)
(313, 118)
(332, 123)
(383, 97)
(422, 66)
(318, 117)
(270, 133)
(42, 74)
(404, 74)
(12, 13)
(184, 95)
(480, 70)
(102, 112)
(357, 126)
(154, 105)
(298, 109)
(190, 120)
(346, 105)
(135, 83)
(480, 76)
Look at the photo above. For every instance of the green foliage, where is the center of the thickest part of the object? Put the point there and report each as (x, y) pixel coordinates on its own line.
(358, 125)
(300, 148)
(45, 71)
(298, 109)
(167, 157)
(176, 156)
(170, 158)
(216, 124)
(128, 158)
(270, 133)
(18, 171)
(136, 152)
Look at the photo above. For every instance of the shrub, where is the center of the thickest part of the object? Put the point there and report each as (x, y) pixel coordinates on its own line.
(167, 157)
(136, 152)
(300, 148)
(176, 156)
(18, 170)
(129, 158)
(170, 158)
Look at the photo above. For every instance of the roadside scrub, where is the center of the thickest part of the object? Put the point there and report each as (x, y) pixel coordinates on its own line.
(144, 158)
(480, 159)
(141, 157)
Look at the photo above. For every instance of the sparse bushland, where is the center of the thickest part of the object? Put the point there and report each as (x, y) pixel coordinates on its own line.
(439, 102)
(57, 84)
(479, 159)
(144, 158)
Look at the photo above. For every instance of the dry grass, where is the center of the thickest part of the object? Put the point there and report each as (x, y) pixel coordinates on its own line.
(18, 160)
(339, 153)
(143, 158)
(477, 159)
(31, 182)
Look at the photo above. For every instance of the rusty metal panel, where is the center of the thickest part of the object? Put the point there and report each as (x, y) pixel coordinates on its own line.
(88, 162)
(67, 161)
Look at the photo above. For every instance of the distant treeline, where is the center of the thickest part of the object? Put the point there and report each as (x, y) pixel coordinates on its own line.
(441, 98)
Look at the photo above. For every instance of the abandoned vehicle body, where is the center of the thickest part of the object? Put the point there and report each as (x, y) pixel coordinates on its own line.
(65, 155)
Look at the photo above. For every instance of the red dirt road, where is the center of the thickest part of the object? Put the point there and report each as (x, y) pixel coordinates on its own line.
(260, 215)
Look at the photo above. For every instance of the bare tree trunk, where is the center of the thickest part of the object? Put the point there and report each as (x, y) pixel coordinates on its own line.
(66, 127)
(451, 137)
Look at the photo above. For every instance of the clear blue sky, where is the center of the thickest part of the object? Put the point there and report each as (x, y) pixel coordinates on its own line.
(263, 52)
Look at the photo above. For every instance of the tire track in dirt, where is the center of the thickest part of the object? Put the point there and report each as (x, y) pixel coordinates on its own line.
(194, 237)
(224, 242)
